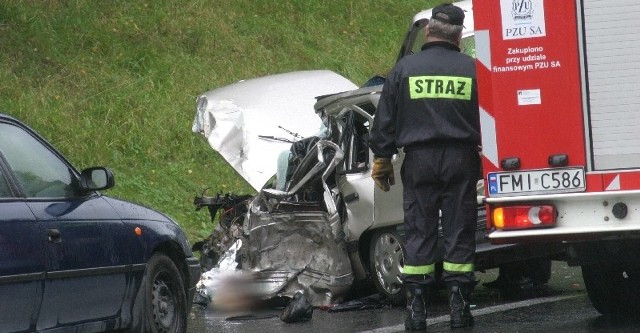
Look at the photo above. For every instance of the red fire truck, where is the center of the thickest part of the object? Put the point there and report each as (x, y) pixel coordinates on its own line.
(559, 86)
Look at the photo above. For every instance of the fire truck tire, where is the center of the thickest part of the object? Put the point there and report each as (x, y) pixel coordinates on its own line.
(387, 260)
(614, 289)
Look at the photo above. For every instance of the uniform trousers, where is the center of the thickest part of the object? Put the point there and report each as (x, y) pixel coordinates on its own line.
(440, 178)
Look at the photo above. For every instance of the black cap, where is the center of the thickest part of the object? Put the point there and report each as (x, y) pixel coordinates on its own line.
(448, 13)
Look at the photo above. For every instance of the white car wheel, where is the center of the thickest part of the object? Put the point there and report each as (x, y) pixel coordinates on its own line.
(387, 260)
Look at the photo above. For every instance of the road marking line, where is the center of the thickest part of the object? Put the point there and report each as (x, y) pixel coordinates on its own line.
(480, 312)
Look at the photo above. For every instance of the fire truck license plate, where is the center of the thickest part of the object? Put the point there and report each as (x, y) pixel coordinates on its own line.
(536, 181)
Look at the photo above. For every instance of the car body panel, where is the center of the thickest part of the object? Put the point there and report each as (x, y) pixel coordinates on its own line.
(156, 228)
(22, 267)
(356, 184)
(298, 250)
(367, 205)
(238, 118)
(368, 198)
(71, 256)
(83, 247)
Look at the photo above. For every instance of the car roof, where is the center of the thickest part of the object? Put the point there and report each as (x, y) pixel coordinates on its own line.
(332, 103)
(466, 6)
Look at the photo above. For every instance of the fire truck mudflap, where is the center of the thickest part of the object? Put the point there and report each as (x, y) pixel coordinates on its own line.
(561, 149)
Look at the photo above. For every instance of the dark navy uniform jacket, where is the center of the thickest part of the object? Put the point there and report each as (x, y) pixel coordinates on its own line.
(430, 97)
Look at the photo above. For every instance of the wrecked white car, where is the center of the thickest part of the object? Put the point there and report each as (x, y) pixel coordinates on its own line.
(329, 228)
(318, 223)
(290, 239)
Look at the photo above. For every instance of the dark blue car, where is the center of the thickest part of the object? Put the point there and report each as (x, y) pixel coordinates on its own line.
(72, 259)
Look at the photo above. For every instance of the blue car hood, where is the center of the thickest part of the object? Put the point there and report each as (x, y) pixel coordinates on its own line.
(131, 211)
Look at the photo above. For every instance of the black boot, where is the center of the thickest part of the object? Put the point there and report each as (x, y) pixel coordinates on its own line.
(416, 312)
(459, 295)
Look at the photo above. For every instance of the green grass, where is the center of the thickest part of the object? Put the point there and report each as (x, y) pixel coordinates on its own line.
(114, 83)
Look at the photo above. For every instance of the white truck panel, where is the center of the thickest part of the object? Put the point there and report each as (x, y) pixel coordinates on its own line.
(580, 213)
(612, 50)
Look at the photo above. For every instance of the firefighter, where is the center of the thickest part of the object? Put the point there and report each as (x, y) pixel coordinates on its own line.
(429, 108)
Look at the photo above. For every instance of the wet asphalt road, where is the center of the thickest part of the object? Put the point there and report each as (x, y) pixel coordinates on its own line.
(560, 306)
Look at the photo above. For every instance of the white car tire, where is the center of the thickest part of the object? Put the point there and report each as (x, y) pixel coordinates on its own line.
(387, 260)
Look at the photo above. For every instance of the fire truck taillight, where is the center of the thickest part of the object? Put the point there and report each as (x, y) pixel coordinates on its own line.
(524, 217)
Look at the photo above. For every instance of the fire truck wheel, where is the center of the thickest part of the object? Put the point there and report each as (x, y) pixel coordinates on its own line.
(614, 289)
(387, 260)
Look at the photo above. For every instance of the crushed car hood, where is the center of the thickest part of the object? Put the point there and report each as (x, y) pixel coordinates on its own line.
(250, 122)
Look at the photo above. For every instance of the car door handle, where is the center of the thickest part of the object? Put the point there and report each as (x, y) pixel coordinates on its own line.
(54, 235)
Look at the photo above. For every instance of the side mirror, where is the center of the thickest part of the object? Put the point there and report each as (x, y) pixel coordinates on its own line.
(96, 179)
